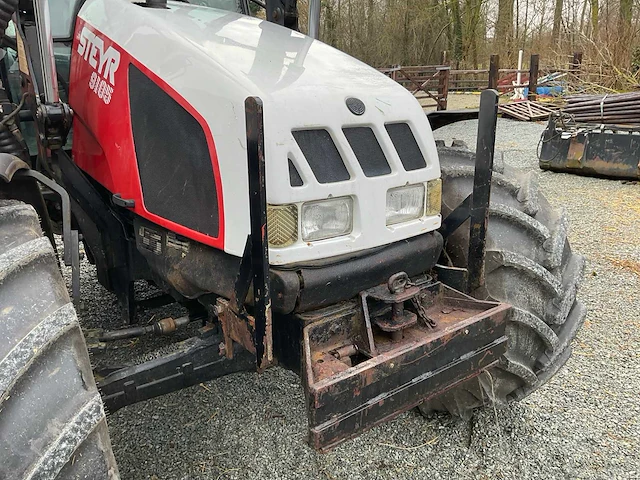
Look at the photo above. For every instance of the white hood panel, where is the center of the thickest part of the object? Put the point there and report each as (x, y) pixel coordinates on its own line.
(216, 59)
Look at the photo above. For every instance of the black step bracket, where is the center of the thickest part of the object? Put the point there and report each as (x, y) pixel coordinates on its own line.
(476, 206)
(118, 201)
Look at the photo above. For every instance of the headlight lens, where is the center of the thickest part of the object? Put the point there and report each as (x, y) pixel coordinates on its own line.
(434, 197)
(405, 203)
(327, 218)
(282, 225)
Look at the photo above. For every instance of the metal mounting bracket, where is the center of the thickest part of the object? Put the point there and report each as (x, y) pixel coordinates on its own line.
(476, 205)
(70, 237)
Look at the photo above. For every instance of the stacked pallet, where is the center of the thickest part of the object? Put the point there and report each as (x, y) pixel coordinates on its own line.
(526, 110)
(619, 108)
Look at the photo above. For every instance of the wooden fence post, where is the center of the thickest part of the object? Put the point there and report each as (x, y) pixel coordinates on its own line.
(394, 73)
(576, 62)
(533, 77)
(494, 67)
(443, 87)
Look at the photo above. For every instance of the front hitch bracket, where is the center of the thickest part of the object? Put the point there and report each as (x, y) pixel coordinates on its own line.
(358, 375)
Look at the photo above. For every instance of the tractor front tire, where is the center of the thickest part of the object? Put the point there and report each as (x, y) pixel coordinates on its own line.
(529, 264)
(52, 421)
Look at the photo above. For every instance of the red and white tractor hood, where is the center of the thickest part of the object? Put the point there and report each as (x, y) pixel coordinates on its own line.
(213, 60)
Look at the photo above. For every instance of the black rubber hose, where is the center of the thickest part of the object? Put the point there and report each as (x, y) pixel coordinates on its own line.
(8, 141)
(7, 9)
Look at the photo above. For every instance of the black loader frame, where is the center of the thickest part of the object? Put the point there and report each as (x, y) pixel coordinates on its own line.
(362, 360)
(599, 150)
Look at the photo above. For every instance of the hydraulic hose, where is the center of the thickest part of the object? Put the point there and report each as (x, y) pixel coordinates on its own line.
(10, 139)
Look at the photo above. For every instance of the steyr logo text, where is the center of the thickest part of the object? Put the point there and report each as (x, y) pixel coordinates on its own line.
(104, 62)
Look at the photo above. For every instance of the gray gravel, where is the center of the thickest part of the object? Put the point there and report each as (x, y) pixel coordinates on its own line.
(583, 424)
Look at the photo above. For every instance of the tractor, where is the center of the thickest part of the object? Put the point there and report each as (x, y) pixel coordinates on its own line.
(291, 198)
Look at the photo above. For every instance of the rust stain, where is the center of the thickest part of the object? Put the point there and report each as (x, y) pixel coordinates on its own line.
(575, 153)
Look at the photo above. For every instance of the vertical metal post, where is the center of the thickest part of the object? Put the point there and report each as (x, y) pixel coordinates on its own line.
(259, 243)
(533, 76)
(45, 45)
(494, 72)
(314, 19)
(481, 195)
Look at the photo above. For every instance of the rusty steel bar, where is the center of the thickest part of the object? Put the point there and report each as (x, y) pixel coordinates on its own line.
(259, 244)
(481, 195)
(620, 108)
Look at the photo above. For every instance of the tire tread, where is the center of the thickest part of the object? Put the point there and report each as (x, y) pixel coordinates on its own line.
(47, 330)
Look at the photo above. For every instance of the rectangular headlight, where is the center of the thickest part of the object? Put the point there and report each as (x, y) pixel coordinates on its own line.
(326, 218)
(405, 203)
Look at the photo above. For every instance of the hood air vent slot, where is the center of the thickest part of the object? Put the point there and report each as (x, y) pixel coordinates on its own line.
(295, 180)
(368, 152)
(406, 146)
(322, 155)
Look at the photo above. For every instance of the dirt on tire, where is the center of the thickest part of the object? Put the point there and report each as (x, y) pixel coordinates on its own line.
(52, 421)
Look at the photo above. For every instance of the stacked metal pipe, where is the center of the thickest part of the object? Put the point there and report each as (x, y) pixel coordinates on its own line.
(618, 108)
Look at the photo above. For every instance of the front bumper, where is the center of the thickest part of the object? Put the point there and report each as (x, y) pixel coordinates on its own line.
(357, 376)
(310, 287)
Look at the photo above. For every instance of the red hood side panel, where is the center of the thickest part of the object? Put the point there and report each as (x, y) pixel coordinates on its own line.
(103, 144)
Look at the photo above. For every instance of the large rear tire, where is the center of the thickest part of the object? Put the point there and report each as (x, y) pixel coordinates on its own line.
(52, 421)
(529, 264)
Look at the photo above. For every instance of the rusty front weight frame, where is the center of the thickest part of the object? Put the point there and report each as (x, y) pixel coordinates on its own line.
(366, 362)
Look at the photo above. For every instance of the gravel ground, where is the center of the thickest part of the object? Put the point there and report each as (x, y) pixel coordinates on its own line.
(583, 424)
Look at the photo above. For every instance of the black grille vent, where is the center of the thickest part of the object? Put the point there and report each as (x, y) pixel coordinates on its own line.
(322, 155)
(173, 158)
(295, 180)
(368, 152)
(406, 146)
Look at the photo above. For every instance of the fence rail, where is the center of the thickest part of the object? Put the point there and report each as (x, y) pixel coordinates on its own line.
(434, 82)
(428, 81)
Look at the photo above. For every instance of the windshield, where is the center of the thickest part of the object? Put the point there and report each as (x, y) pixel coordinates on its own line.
(62, 14)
